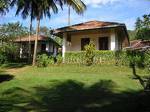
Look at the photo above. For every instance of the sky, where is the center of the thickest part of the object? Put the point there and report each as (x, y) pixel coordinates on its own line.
(122, 11)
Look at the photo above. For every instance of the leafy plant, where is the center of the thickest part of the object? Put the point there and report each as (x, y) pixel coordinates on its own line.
(59, 59)
(100, 57)
(89, 53)
(44, 60)
(143, 27)
(3, 58)
(7, 52)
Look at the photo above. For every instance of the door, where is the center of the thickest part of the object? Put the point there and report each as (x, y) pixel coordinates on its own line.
(103, 43)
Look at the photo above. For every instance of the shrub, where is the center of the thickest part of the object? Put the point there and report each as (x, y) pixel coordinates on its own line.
(59, 59)
(44, 60)
(100, 57)
(89, 54)
(147, 60)
(136, 58)
(74, 57)
(106, 57)
(3, 58)
(7, 52)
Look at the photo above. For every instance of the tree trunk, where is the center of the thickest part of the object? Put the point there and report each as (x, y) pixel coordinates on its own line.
(137, 76)
(30, 33)
(69, 19)
(36, 42)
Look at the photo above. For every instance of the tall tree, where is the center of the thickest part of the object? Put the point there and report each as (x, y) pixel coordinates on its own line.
(45, 31)
(11, 31)
(146, 21)
(42, 8)
(138, 24)
(143, 28)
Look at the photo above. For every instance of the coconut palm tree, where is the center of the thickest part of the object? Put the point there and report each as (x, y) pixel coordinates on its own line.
(4, 5)
(43, 8)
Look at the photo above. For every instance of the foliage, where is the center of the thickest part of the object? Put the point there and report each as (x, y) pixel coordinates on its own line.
(143, 33)
(45, 31)
(89, 53)
(140, 59)
(39, 9)
(3, 58)
(138, 24)
(143, 27)
(132, 34)
(74, 57)
(59, 59)
(4, 6)
(7, 52)
(11, 31)
(136, 58)
(147, 62)
(101, 57)
(44, 60)
(57, 39)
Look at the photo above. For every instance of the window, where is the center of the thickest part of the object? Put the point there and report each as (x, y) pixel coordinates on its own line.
(43, 47)
(103, 43)
(84, 42)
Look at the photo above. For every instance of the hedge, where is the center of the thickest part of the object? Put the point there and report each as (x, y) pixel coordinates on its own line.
(106, 57)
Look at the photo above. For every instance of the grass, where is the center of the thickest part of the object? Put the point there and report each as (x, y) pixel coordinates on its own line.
(69, 88)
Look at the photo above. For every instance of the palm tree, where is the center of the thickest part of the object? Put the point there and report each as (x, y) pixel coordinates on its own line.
(43, 8)
(4, 5)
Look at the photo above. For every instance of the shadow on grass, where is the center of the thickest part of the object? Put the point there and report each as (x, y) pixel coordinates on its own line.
(73, 96)
(5, 77)
(14, 65)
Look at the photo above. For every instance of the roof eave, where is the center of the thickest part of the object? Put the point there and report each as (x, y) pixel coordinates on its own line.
(60, 33)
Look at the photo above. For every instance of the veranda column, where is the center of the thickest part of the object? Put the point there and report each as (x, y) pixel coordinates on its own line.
(64, 46)
(113, 41)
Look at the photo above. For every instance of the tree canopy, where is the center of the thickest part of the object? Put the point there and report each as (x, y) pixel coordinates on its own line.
(10, 31)
(143, 27)
(4, 6)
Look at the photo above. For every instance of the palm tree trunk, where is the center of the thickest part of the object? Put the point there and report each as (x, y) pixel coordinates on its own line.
(69, 19)
(36, 42)
(30, 33)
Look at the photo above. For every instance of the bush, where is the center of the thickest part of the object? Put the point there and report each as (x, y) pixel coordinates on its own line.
(89, 54)
(106, 57)
(143, 33)
(100, 57)
(7, 52)
(136, 58)
(147, 58)
(74, 57)
(3, 58)
(44, 60)
(59, 59)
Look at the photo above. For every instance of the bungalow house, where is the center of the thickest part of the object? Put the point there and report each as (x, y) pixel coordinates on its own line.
(105, 35)
(45, 45)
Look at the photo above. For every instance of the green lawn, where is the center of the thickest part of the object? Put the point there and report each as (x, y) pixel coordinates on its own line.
(69, 88)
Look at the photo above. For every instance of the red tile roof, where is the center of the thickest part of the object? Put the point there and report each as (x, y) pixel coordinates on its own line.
(26, 38)
(140, 43)
(89, 25)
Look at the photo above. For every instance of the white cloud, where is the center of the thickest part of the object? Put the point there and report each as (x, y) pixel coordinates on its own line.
(97, 3)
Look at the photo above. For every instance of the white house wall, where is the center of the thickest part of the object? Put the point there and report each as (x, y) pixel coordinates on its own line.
(76, 40)
(113, 41)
